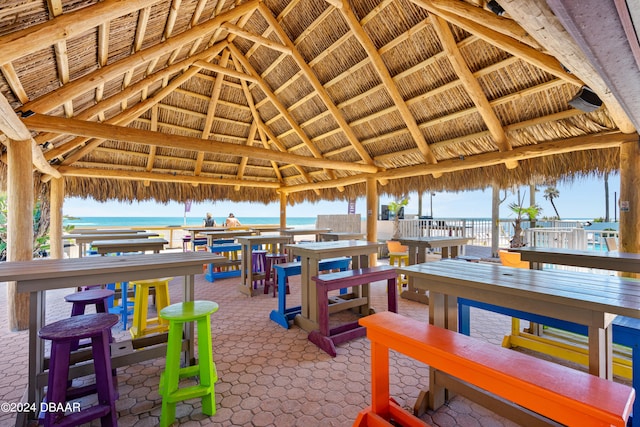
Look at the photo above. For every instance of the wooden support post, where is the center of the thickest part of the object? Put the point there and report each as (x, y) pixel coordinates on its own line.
(629, 240)
(283, 209)
(19, 224)
(56, 197)
(372, 215)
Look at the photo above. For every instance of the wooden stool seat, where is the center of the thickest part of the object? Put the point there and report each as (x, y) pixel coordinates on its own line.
(97, 297)
(143, 324)
(205, 370)
(62, 335)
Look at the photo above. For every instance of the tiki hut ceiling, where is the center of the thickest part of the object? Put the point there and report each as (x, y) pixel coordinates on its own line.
(243, 99)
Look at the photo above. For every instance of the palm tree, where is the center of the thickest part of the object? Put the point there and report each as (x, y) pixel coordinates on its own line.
(551, 193)
(531, 212)
(394, 208)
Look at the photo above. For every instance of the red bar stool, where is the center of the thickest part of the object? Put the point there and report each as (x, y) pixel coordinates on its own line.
(270, 274)
(62, 335)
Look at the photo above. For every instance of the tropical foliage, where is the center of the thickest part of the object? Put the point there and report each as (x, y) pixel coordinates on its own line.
(394, 208)
(550, 194)
(521, 212)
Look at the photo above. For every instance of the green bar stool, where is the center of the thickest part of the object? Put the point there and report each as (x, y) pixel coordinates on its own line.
(177, 315)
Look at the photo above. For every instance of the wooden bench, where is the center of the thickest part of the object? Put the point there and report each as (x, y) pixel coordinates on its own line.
(327, 338)
(557, 392)
(225, 248)
(283, 315)
(625, 331)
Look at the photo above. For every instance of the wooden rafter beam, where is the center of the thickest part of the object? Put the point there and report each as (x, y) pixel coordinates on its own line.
(69, 25)
(536, 18)
(581, 143)
(44, 123)
(148, 56)
(387, 80)
(471, 85)
(528, 54)
(226, 71)
(317, 86)
(262, 41)
(264, 130)
(160, 177)
(15, 130)
(275, 101)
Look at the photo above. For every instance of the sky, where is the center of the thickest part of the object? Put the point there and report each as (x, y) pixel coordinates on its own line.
(582, 199)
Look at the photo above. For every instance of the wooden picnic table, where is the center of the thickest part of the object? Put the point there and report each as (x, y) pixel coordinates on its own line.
(418, 248)
(587, 299)
(247, 275)
(86, 238)
(310, 256)
(129, 245)
(611, 260)
(38, 276)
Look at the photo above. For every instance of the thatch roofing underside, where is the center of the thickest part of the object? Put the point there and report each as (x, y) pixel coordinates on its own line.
(239, 100)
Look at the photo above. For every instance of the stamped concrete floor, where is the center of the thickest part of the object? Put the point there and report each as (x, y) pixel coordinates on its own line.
(268, 375)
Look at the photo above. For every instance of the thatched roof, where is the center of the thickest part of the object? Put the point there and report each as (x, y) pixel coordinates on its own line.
(238, 100)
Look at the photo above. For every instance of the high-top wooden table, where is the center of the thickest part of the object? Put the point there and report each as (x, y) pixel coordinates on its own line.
(305, 232)
(82, 239)
(418, 248)
(310, 255)
(227, 234)
(340, 235)
(247, 276)
(37, 277)
(612, 260)
(588, 299)
(129, 245)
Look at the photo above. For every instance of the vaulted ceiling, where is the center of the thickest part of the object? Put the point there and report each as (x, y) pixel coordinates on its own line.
(241, 100)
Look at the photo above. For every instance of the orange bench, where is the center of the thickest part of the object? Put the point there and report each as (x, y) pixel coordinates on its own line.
(560, 393)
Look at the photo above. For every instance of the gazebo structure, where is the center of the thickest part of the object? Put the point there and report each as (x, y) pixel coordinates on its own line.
(282, 101)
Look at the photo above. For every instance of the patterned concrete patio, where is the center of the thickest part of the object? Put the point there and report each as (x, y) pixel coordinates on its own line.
(268, 376)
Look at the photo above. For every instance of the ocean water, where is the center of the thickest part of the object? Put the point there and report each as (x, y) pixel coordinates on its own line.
(159, 221)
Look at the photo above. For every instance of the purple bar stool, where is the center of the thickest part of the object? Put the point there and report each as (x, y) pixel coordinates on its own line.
(97, 297)
(259, 261)
(62, 335)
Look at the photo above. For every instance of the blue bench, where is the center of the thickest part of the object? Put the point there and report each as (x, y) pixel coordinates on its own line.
(212, 275)
(283, 315)
(626, 332)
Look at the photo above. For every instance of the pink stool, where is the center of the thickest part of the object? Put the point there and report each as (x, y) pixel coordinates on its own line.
(270, 275)
(62, 335)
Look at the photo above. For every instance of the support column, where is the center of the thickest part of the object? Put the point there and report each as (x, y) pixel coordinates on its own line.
(56, 197)
(372, 215)
(283, 209)
(629, 240)
(495, 220)
(19, 224)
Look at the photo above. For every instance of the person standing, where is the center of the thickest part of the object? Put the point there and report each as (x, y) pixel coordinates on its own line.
(209, 221)
(232, 221)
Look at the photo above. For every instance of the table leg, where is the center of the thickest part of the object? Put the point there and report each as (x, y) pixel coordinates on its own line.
(189, 327)
(308, 317)
(600, 352)
(417, 255)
